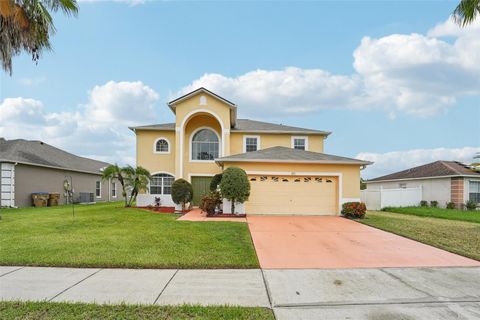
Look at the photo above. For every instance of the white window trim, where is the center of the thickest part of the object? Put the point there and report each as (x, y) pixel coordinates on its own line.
(466, 188)
(116, 189)
(160, 194)
(190, 158)
(299, 137)
(155, 146)
(100, 184)
(245, 142)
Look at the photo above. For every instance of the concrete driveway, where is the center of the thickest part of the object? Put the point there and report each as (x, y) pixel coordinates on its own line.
(334, 242)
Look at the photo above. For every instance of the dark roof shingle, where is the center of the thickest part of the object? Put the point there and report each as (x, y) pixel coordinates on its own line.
(434, 169)
(42, 154)
(284, 154)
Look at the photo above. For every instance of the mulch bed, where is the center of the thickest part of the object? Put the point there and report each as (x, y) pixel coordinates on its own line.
(159, 209)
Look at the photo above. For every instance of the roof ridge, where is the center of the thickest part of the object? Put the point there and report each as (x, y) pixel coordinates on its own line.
(446, 164)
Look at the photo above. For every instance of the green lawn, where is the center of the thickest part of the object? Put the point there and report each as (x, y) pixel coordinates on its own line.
(450, 214)
(455, 236)
(67, 311)
(107, 235)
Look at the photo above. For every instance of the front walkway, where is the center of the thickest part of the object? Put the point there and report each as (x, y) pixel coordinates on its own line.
(395, 293)
(335, 242)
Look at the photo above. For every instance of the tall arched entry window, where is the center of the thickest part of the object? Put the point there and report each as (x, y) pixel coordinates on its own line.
(205, 145)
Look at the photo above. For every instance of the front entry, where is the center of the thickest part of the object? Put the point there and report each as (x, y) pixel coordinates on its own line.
(201, 186)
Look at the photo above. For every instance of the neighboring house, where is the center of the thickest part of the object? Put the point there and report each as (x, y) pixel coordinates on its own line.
(27, 167)
(442, 181)
(286, 166)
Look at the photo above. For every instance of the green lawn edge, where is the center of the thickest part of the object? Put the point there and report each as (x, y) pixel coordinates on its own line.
(10, 310)
(440, 213)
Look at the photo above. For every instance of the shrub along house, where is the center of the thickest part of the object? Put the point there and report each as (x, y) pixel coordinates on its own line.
(286, 166)
(442, 181)
(28, 167)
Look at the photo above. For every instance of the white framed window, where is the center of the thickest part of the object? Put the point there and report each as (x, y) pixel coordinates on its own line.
(161, 145)
(251, 143)
(114, 189)
(161, 183)
(98, 189)
(300, 143)
(205, 145)
(474, 191)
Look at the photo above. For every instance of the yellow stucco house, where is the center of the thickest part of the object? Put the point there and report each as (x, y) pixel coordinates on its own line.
(288, 171)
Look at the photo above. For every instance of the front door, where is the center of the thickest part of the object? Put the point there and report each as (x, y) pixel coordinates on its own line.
(201, 186)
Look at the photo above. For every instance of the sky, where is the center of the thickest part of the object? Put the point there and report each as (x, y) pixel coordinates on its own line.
(397, 82)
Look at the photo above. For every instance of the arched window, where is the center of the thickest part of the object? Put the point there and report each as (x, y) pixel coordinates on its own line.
(205, 145)
(161, 183)
(161, 146)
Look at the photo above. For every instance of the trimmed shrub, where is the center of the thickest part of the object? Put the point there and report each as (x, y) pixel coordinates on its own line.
(470, 205)
(235, 186)
(434, 204)
(355, 210)
(423, 203)
(210, 202)
(215, 181)
(450, 205)
(182, 192)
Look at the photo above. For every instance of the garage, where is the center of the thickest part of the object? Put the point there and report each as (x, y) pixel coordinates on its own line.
(292, 195)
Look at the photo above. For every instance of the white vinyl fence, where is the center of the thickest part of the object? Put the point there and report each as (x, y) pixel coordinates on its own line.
(380, 198)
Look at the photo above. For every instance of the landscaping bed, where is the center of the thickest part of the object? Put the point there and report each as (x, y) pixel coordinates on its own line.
(108, 235)
(51, 310)
(455, 236)
(450, 214)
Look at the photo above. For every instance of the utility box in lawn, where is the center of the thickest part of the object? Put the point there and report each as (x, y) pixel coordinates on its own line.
(40, 199)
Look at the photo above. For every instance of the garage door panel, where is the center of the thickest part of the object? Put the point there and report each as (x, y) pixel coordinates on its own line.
(302, 195)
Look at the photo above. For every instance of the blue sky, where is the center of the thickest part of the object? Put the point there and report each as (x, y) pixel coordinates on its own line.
(405, 95)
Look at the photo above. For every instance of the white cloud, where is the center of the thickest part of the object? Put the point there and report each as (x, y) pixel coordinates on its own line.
(390, 162)
(416, 74)
(29, 82)
(97, 129)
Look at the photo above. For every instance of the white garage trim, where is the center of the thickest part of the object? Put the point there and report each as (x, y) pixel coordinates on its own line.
(339, 175)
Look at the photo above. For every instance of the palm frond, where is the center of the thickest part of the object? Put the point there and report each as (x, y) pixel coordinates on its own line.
(466, 12)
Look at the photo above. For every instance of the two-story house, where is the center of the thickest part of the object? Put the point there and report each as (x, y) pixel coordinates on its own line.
(286, 166)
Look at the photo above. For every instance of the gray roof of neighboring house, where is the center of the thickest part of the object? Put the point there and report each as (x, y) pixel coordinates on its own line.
(429, 170)
(245, 125)
(41, 154)
(289, 155)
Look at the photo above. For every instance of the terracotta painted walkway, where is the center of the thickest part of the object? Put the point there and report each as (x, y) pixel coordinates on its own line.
(335, 242)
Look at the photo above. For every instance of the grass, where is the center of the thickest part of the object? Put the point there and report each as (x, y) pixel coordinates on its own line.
(108, 235)
(450, 214)
(458, 237)
(50, 310)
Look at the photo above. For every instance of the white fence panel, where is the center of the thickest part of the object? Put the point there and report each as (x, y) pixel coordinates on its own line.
(381, 198)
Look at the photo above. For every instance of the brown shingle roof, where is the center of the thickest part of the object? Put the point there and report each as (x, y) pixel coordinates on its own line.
(434, 169)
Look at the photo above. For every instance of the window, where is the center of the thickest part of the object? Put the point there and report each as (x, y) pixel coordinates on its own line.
(474, 191)
(251, 144)
(114, 189)
(402, 186)
(300, 143)
(205, 145)
(161, 146)
(98, 189)
(161, 183)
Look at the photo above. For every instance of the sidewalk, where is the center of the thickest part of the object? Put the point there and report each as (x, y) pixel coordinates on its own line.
(403, 293)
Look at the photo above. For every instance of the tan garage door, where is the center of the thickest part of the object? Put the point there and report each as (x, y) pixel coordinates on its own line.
(293, 195)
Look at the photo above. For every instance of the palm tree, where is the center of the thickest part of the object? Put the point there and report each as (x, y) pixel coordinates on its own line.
(27, 25)
(137, 179)
(113, 171)
(466, 12)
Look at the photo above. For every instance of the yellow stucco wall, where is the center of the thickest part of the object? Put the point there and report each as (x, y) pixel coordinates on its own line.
(268, 140)
(350, 173)
(155, 162)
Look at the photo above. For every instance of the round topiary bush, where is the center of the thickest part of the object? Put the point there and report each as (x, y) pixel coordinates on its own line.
(235, 186)
(215, 181)
(182, 192)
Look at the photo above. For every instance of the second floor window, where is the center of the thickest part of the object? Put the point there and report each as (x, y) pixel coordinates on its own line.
(251, 144)
(161, 145)
(299, 143)
(205, 145)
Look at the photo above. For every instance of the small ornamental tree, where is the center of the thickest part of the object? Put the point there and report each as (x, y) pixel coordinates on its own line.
(182, 192)
(215, 181)
(235, 186)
